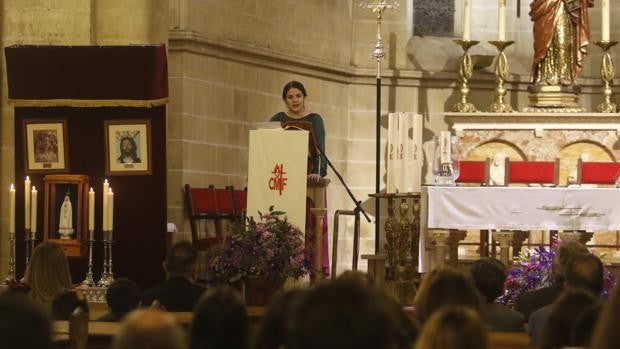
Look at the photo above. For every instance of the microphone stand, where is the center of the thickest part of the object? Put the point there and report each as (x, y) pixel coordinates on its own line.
(356, 211)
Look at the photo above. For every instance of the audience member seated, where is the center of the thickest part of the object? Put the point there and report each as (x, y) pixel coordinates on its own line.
(220, 320)
(347, 314)
(47, 274)
(489, 276)
(179, 292)
(23, 324)
(606, 335)
(272, 333)
(584, 325)
(446, 286)
(556, 331)
(584, 272)
(66, 302)
(533, 300)
(122, 297)
(152, 329)
(453, 327)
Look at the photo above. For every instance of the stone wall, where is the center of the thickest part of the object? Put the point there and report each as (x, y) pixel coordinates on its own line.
(228, 61)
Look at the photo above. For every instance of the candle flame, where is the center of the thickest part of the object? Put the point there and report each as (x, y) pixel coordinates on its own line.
(12, 187)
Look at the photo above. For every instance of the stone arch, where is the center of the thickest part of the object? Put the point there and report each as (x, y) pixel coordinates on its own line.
(490, 148)
(571, 152)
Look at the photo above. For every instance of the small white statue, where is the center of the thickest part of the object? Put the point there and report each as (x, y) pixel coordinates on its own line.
(65, 227)
(497, 170)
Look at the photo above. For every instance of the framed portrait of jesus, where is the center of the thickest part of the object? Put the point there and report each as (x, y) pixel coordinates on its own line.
(128, 147)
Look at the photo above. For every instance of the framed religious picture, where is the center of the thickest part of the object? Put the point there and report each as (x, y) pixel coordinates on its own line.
(45, 145)
(66, 212)
(128, 147)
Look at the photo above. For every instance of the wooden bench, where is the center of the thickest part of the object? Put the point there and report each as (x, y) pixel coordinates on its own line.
(80, 333)
(509, 340)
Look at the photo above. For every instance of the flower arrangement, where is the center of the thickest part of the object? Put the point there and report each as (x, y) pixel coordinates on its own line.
(534, 270)
(271, 248)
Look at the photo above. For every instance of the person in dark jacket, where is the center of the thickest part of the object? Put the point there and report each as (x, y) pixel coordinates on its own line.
(179, 292)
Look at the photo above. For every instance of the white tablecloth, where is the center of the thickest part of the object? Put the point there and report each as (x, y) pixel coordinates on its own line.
(523, 208)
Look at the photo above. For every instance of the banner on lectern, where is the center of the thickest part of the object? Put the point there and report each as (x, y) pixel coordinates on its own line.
(277, 173)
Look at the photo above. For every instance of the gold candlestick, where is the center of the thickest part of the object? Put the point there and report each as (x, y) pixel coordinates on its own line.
(608, 71)
(465, 71)
(501, 74)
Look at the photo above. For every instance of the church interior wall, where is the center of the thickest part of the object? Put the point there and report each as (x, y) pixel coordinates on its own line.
(229, 60)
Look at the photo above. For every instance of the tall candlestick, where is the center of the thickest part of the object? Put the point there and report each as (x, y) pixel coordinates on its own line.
(33, 210)
(104, 220)
(91, 210)
(27, 203)
(605, 20)
(12, 209)
(501, 24)
(110, 210)
(467, 20)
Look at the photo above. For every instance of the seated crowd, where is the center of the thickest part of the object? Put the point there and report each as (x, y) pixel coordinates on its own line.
(452, 309)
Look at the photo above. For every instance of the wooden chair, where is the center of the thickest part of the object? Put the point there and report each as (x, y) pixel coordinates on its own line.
(532, 172)
(472, 172)
(209, 204)
(591, 172)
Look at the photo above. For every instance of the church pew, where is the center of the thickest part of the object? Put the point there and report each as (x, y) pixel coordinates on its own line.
(508, 340)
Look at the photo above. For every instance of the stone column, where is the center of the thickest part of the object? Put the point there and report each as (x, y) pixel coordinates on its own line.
(504, 239)
(440, 238)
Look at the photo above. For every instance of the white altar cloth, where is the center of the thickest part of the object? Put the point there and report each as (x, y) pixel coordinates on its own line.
(523, 208)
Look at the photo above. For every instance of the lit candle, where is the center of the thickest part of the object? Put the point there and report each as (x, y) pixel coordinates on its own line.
(27, 203)
(12, 209)
(467, 20)
(104, 215)
(110, 210)
(605, 20)
(33, 210)
(501, 21)
(91, 210)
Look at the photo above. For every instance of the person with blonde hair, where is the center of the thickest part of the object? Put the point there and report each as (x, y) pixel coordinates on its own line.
(47, 274)
(453, 327)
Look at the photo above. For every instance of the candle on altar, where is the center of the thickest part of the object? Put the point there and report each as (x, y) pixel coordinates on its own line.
(605, 20)
(91, 211)
(110, 210)
(501, 36)
(12, 209)
(33, 210)
(27, 203)
(467, 20)
(104, 215)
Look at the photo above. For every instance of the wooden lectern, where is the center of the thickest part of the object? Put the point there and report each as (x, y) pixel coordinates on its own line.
(316, 192)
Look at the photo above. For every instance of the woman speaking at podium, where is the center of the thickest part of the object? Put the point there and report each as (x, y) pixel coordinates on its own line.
(294, 96)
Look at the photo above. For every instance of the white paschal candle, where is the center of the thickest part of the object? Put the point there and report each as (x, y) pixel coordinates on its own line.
(33, 210)
(27, 203)
(605, 20)
(467, 20)
(91, 210)
(501, 21)
(12, 209)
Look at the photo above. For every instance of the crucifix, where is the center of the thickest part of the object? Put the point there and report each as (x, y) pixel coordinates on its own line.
(378, 6)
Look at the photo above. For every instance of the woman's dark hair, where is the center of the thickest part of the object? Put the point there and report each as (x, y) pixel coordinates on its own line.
(220, 320)
(293, 84)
